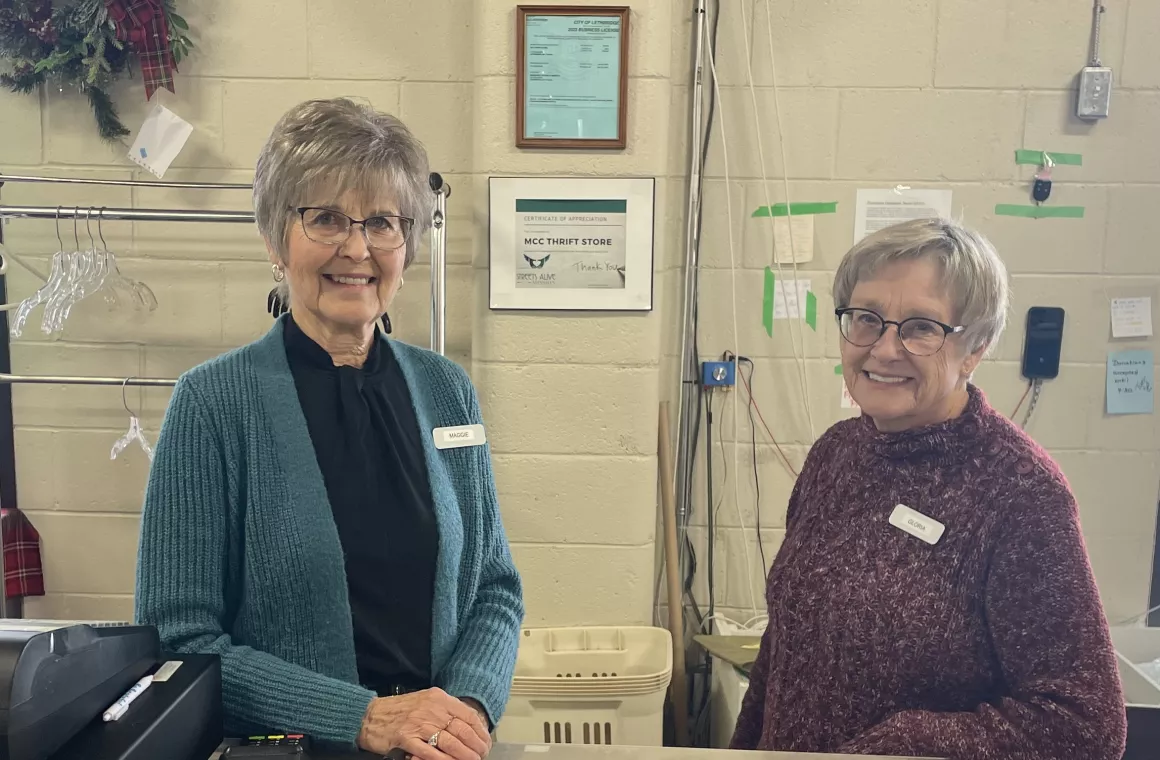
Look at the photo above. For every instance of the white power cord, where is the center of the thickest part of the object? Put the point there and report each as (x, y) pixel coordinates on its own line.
(798, 355)
(736, 333)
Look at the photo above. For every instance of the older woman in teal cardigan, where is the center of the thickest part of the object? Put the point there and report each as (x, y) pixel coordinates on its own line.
(321, 510)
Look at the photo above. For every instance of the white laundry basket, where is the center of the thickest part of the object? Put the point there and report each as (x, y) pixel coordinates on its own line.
(591, 686)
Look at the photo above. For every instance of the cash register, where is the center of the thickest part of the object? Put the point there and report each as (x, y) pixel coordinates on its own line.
(103, 692)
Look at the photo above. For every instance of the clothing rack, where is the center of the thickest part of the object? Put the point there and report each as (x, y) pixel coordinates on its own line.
(138, 382)
(438, 244)
(104, 213)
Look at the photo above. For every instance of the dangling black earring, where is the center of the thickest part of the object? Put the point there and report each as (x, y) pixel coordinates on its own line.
(386, 320)
(275, 305)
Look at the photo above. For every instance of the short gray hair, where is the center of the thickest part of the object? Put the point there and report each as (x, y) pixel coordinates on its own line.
(322, 149)
(972, 272)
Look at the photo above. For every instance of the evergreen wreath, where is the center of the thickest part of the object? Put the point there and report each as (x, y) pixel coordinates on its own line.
(88, 44)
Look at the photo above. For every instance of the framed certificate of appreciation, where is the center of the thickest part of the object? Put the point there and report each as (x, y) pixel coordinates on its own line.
(571, 243)
(571, 76)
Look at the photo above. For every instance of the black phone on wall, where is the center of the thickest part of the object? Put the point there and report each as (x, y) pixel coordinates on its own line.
(1042, 342)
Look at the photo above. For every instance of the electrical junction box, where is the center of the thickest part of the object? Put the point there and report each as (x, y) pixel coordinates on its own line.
(1095, 93)
(718, 374)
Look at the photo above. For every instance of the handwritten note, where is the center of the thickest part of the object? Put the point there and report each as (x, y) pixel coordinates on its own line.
(789, 300)
(793, 245)
(1132, 317)
(1130, 381)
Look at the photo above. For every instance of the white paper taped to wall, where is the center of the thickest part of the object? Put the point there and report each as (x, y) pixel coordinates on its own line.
(789, 298)
(160, 139)
(800, 249)
(876, 209)
(1132, 317)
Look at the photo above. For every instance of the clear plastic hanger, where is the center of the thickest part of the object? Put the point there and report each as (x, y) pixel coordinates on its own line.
(92, 268)
(115, 284)
(77, 275)
(64, 285)
(135, 432)
(55, 278)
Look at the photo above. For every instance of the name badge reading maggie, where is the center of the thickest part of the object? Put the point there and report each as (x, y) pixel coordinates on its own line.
(459, 437)
(917, 524)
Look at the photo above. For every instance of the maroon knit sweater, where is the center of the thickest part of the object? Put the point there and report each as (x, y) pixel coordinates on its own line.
(989, 645)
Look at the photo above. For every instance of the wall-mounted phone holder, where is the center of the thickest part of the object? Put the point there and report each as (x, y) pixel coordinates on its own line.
(1043, 342)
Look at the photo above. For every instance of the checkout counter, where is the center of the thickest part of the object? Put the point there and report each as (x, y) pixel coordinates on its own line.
(574, 752)
(73, 691)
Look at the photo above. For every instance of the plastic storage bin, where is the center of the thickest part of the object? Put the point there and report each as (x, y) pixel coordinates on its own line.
(595, 686)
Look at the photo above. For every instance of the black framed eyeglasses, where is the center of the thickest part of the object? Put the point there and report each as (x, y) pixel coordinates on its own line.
(386, 232)
(920, 336)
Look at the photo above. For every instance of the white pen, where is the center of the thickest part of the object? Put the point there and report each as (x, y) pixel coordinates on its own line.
(118, 708)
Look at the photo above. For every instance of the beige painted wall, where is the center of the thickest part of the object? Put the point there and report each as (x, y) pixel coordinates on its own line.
(872, 93)
(940, 94)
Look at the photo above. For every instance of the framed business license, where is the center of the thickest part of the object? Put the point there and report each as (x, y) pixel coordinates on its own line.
(571, 243)
(571, 76)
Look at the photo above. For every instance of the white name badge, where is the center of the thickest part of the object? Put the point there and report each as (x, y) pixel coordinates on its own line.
(459, 437)
(917, 524)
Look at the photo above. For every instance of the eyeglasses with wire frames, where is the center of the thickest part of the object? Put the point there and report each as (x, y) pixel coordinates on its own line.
(387, 232)
(919, 336)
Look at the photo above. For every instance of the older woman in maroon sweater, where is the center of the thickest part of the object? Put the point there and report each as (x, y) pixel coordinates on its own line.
(933, 596)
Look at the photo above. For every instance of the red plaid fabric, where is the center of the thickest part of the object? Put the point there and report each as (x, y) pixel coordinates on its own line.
(142, 24)
(23, 573)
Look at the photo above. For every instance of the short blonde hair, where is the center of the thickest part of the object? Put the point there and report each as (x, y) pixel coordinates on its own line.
(332, 147)
(972, 272)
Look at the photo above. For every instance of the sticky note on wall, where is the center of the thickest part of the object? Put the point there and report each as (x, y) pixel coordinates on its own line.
(1130, 380)
(793, 239)
(1132, 317)
(790, 299)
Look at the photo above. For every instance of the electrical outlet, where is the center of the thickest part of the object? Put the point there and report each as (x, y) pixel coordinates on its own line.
(1095, 93)
(718, 374)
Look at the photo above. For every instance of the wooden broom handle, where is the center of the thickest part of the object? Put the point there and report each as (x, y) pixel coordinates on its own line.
(678, 689)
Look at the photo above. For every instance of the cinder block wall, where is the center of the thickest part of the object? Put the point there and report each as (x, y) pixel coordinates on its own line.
(939, 95)
(873, 94)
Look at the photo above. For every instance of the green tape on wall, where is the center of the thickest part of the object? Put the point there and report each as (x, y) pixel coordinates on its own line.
(1040, 212)
(1035, 157)
(767, 303)
(838, 369)
(798, 209)
(812, 310)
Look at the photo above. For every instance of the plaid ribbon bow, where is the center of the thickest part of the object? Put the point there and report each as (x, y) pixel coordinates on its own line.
(141, 23)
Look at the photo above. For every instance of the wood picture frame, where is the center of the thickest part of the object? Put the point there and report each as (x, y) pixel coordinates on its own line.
(583, 63)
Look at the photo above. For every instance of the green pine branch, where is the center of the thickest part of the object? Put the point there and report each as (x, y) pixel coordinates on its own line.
(74, 43)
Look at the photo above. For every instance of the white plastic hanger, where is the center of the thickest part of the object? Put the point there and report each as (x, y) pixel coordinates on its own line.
(135, 432)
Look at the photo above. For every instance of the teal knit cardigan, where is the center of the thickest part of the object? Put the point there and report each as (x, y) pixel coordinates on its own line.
(239, 555)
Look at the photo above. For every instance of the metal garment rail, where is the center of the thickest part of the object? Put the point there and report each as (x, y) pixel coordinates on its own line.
(104, 213)
(439, 265)
(138, 382)
(125, 183)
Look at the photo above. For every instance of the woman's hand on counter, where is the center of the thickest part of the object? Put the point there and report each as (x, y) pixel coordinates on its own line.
(474, 705)
(409, 721)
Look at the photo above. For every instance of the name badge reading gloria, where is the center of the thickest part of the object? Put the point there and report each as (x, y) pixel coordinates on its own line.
(917, 524)
(459, 437)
